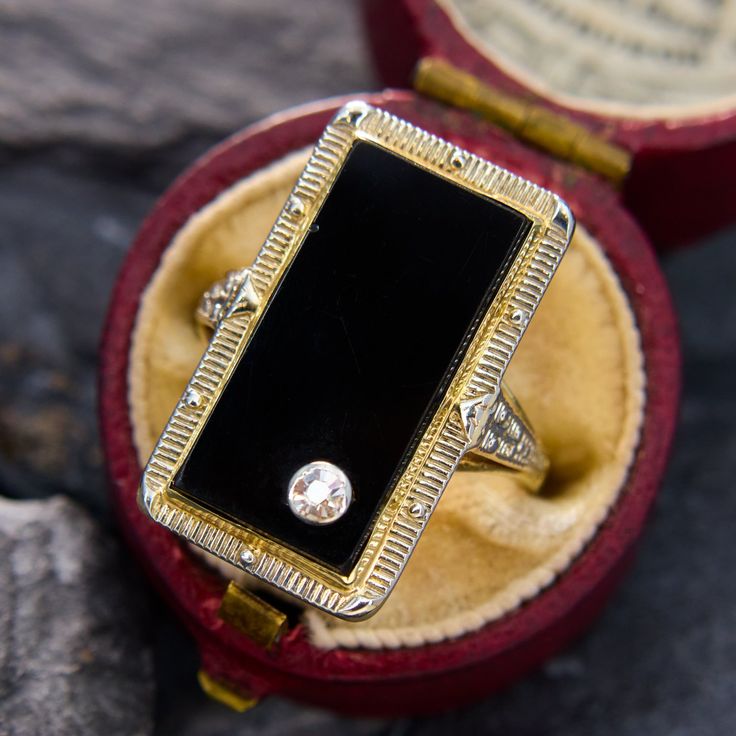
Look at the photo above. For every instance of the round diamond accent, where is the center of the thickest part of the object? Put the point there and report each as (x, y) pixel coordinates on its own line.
(247, 557)
(458, 160)
(295, 207)
(319, 493)
(417, 510)
(192, 398)
(518, 316)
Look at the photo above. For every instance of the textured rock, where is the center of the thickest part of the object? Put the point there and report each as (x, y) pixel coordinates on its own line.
(140, 73)
(63, 231)
(72, 659)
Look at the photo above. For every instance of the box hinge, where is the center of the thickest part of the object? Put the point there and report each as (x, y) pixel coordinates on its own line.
(531, 122)
(258, 620)
(222, 692)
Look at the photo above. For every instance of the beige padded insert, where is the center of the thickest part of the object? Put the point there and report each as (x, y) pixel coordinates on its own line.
(634, 58)
(489, 546)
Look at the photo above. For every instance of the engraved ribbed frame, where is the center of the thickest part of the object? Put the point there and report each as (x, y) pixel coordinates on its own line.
(396, 530)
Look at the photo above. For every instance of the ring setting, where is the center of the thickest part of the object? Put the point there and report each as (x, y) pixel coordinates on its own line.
(359, 362)
(319, 493)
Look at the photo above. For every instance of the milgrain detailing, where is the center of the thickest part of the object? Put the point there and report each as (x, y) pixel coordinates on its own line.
(445, 439)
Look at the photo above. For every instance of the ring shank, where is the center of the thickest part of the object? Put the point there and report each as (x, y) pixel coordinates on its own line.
(506, 441)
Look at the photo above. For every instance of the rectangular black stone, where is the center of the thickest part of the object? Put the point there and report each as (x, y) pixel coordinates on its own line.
(353, 354)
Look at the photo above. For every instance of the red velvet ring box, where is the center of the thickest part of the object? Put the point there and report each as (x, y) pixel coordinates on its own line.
(501, 580)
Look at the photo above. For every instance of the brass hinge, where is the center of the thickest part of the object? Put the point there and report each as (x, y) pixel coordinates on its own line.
(531, 122)
(258, 620)
(222, 692)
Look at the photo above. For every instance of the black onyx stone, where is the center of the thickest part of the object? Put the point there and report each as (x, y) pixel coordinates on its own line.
(355, 350)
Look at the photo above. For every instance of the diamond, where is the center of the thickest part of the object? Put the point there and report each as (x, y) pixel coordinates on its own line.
(417, 510)
(192, 398)
(458, 160)
(247, 557)
(519, 317)
(295, 206)
(319, 493)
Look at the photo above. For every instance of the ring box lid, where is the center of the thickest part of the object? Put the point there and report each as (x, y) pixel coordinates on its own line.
(593, 68)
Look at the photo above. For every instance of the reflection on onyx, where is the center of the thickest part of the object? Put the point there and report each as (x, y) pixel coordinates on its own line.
(352, 356)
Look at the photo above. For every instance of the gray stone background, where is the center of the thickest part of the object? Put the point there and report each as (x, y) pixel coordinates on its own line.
(101, 105)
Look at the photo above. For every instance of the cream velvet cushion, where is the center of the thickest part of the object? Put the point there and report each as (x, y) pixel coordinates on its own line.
(489, 546)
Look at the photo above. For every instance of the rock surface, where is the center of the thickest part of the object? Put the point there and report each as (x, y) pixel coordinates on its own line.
(141, 73)
(72, 660)
(64, 227)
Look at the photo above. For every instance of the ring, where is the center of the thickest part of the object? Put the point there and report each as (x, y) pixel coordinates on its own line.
(358, 363)
(500, 436)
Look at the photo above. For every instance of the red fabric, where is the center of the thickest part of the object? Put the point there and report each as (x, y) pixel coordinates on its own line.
(431, 677)
(683, 180)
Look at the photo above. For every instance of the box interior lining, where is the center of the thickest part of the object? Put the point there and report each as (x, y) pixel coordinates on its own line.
(634, 59)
